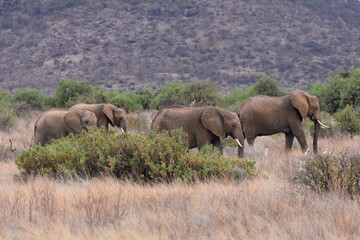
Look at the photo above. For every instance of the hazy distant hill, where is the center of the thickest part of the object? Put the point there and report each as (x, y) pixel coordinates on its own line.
(132, 44)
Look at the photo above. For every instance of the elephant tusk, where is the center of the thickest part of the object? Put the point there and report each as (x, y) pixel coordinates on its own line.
(322, 125)
(239, 142)
(122, 130)
(306, 152)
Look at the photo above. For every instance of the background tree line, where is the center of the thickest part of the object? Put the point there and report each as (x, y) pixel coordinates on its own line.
(340, 97)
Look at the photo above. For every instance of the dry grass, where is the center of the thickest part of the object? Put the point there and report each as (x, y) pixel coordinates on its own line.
(264, 208)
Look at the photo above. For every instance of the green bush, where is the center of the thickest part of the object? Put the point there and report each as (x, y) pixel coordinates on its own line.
(7, 117)
(127, 101)
(199, 93)
(267, 86)
(32, 97)
(144, 97)
(203, 93)
(331, 173)
(70, 92)
(156, 157)
(349, 120)
(343, 89)
(236, 97)
(264, 86)
(169, 95)
(4, 96)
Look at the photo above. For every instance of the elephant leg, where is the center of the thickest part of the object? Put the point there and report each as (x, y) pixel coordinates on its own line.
(217, 143)
(250, 141)
(300, 136)
(203, 137)
(289, 139)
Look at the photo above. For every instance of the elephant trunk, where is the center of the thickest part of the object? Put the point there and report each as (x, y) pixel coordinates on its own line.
(123, 126)
(240, 140)
(316, 135)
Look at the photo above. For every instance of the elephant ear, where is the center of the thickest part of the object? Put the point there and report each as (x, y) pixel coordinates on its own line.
(300, 102)
(109, 112)
(73, 122)
(213, 121)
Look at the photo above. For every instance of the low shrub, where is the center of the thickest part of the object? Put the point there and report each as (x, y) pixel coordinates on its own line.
(156, 157)
(324, 173)
(32, 97)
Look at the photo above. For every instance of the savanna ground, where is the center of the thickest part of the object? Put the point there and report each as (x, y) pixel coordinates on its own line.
(268, 207)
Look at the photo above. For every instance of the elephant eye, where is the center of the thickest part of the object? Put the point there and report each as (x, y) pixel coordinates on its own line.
(234, 124)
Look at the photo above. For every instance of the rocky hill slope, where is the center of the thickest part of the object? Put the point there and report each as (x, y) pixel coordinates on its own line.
(133, 44)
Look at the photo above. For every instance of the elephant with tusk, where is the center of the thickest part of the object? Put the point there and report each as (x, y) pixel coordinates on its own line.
(204, 125)
(264, 115)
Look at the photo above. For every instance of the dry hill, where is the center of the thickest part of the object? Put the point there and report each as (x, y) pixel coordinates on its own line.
(132, 44)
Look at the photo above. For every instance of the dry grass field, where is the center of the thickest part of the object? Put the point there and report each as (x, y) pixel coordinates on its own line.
(268, 207)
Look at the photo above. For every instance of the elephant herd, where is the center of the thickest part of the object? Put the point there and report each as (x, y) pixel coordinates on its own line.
(256, 116)
(56, 123)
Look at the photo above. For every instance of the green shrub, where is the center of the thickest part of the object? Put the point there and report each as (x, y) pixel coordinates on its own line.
(144, 97)
(267, 86)
(156, 157)
(343, 89)
(169, 95)
(264, 86)
(127, 101)
(349, 120)
(7, 117)
(70, 92)
(4, 96)
(201, 94)
(331, 173)
(32, 97)
(198, 93)
(236, 97)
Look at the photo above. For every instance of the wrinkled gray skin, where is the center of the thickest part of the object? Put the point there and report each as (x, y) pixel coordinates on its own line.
(56, 123)
(105, 113)
(264, 115)
(204, 125)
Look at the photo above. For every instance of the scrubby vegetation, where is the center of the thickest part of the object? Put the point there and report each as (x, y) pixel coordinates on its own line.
(339, 173)
(342, 90)
(156, 157)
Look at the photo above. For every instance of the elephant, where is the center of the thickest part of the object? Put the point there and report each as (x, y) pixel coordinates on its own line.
(105, 114)
(204, 125)
(56, 123)
(264, 115)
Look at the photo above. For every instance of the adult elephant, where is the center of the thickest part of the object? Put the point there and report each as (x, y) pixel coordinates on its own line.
(204, 125)
(105, 114)
(264, 115)
(56, 123)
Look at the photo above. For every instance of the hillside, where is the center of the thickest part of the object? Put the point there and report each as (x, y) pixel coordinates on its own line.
(132, 44)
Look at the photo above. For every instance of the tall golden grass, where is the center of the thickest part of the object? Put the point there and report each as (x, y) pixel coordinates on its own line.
(269, 207)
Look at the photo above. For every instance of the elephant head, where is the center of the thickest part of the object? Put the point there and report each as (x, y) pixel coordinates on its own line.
(76, 120)
(116, 116)
(223, 123)
(308, 106)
